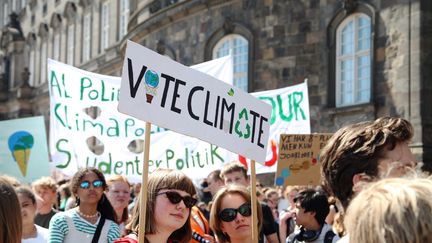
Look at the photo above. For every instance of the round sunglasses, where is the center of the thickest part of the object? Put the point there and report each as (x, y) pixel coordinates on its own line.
(175, 197)
(95, 183)
(229, 214)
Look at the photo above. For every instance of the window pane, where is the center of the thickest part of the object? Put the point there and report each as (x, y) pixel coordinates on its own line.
(31, 67)
(364, 31)
(57, 47)
(353, 79)
(363, 67)
(86, 37)
(5, 14)
(347, 39)
(124, 17)
(43, 63)
(71, 44)
(237, 46)
(105, 26)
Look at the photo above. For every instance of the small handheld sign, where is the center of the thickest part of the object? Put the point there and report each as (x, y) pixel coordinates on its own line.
(298, 162)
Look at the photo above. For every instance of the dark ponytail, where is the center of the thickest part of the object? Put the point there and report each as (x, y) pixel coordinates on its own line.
(106, 209)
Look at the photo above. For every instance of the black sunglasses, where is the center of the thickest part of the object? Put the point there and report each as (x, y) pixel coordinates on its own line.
(229, 214)
(95, 183)
(175, 197)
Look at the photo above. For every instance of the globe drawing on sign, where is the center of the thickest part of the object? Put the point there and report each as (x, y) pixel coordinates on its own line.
(152, 82)
(152, 78)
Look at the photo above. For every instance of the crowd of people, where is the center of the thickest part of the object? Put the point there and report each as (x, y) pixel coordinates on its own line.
(371, 192)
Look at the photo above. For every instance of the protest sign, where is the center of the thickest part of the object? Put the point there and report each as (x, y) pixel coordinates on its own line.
(290, 114)
(299, 159)
(23, 148)
(160, 91)
(71, 126)
(197, 105)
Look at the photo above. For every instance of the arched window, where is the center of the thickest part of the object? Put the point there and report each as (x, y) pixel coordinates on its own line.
(43, 34)
(31, 47)
(70, 44)
(43, 62)
(70, 15)
(237, 46)
(86, 37)
(56, 46)
(124, 17)
(32, 57)
(353, 60)
(56, 25)
(105, 25)
(5, 13)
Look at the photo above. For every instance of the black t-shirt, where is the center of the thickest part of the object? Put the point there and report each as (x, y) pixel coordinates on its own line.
(269, 224)
(43, 220)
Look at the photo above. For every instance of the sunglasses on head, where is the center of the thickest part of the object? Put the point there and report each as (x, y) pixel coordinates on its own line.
(175, 197)
(229, 214)
(95, 183)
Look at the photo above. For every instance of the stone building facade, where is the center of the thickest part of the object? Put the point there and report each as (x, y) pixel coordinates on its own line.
(363, 58)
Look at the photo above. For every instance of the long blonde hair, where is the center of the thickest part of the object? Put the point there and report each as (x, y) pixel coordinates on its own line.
(110, 181)
(392, 210)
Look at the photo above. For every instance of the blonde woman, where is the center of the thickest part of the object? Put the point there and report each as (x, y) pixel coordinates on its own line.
(392, 211)
(118, 193)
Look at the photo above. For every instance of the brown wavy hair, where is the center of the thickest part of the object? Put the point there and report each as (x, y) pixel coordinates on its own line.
(10, 213)
(357, 149)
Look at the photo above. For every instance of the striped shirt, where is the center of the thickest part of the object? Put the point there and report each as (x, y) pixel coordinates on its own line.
(59, 228)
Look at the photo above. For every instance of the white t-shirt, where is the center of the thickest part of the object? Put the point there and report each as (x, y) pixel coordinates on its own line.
(41, 236)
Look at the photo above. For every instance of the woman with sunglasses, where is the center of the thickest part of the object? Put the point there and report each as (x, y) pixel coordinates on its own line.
(93, 220)
(169, 202)
(230, 216)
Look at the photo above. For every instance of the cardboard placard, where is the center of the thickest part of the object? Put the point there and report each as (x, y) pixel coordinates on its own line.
(298, 162)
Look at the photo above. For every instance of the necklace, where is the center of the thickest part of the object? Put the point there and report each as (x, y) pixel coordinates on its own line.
(32, 234)
(87, 215)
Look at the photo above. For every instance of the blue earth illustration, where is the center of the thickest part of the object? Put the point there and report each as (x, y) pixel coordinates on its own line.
(152, 78)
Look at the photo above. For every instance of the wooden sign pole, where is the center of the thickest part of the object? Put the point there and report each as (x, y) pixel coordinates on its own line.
(255, 233)
(143, 193)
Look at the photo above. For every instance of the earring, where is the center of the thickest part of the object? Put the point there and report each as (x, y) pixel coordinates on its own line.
(102, 199)
(77, 201)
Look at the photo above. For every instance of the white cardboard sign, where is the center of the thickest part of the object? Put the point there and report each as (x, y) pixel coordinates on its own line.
(163, 92)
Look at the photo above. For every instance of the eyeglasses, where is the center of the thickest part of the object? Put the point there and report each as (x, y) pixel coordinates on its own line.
(229, 214)
(175, 197)
(95, 183)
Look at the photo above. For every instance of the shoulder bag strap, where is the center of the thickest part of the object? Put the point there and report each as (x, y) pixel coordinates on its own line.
(98, 230)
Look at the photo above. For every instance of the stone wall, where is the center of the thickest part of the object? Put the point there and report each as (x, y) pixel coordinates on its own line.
(289, 41)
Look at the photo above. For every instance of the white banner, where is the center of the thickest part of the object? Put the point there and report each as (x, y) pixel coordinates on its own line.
(72, 92)
(161, 91)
